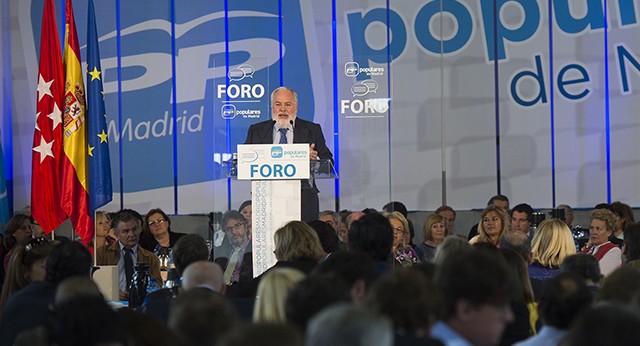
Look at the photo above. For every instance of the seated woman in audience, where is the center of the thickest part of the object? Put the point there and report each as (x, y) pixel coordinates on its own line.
(246, 209)
(157, 236)
(494, 222)
(624, 217)
(104, 232)
(434, 233)
(552, 242)
(272, 294)
(27, 264)
(18, 230)
(609, 256)
(524, 308)
(403, 253)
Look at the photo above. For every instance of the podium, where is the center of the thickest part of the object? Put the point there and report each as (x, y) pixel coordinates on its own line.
(275, 172)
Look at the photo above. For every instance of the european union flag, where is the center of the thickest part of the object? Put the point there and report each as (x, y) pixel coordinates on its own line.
(100, 190)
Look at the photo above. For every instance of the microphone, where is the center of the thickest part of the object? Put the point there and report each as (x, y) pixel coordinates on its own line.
(292, 126)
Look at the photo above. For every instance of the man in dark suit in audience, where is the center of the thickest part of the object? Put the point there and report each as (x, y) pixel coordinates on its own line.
(285, 127)
(234, 254)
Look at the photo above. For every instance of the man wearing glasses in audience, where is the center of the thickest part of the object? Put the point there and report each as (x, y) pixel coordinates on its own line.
(234, 254)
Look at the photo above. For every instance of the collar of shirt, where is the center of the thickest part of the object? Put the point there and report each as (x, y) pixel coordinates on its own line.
(134, 249)
(242, 246)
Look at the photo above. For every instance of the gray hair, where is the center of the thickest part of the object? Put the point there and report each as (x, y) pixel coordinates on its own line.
(273, 93)
(348, 325)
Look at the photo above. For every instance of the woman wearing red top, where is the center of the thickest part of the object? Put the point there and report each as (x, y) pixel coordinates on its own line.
(609, 256)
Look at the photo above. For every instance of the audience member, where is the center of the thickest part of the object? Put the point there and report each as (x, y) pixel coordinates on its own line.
(205, 275)
(347, 325)
(551, 244)
(477, 287)
(434, 232)
(28, 307)
(605, 325)
(450, 247)
(327, 235)
(449, 216)
(312, 295)
(523, 307)
(125, 253)
(246, 209)
(499, 201)
(356, 269)
(521, 216)
(402, 209)
(158, 237)
(263, 334)
(494, 223)
(201, 317)
(27, 265)
(411, 301)
(518, 242)
(373, 235)
(568, 214)
(621, 287)
(403, 253)
(332, 218)
(624, 218)
(272, 294)
(104, 233)
(586, 267)
(564, 297)
(609, 256)
(234, 254)
(17, 231)
(632, 245)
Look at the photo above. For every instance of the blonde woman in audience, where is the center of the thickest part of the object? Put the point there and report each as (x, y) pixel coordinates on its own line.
(494, 222)
(609, 256)
(403, 254)
(272, 294)
(104, 232)
(434, 233)
(551, 244)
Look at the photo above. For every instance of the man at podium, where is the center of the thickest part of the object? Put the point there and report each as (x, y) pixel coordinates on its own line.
(286, 128)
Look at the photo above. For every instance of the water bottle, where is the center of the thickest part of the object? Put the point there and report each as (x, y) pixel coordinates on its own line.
(139, 284)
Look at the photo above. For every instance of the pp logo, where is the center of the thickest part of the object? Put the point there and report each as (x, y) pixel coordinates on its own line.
(276, 152)
(228, 111)
(351, 69)
(364, 87)
(241, 72)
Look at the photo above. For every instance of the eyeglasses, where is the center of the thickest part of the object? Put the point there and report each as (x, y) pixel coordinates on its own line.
(156, 222)
(398, 230)
(234, 227)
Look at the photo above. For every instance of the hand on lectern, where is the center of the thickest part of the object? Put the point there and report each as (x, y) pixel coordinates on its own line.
(313, 154)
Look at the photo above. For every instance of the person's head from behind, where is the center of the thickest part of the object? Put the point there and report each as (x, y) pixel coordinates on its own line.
(410, 300)
(296, 240)
(311, 295)
(585, 266)
(68, 259)
(449, 216)
(200, 317)
(605, 325)
(263, 334)
(235, 227)
(621, 287)
(521, 218)
(632, 242)
(203, 274)
(450, 247)
(396, 206)
(477, 287)
(518, 242)
(562, 299)
(348, 325)
(188, 249)
(518, 268)
(435, 229)
(326, 234)
(568, 214)
(27, 263)
(356, 269)
(400, 227)
(552, 243)
(272, 294)
(373, 235)
(127, 226)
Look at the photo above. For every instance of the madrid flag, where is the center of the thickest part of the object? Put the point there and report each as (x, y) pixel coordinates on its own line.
(75, 201)
(47, 152)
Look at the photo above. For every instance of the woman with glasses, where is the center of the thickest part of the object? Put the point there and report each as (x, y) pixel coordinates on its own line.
(26, 265)
(157, 236)
(403, 253)
(494, 222)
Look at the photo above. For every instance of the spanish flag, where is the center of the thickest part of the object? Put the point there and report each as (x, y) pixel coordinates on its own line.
(75, 201)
